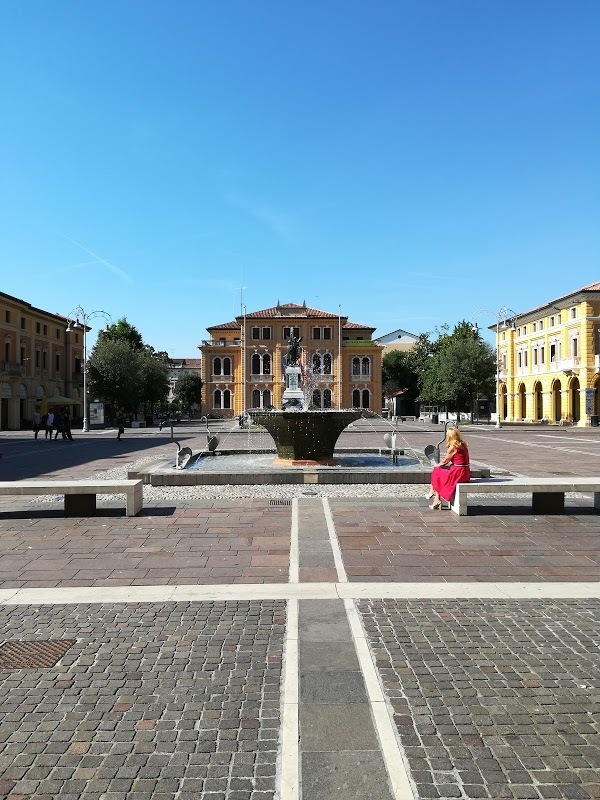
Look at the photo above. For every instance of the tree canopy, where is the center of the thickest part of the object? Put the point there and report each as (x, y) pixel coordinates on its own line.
(188, 388)
(454, 369)
(115, 372)
(124, 331)
(461, 367)
(125, 372)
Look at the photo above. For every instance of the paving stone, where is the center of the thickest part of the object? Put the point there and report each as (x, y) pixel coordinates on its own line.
(189, 657)
(336, 727)
(432, 654)
(344, 776)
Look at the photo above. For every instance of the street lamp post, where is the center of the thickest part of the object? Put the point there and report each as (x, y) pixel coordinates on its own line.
(78, 320)
(502, 316)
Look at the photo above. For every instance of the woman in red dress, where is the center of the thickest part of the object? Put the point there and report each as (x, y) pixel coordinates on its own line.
(444, 478)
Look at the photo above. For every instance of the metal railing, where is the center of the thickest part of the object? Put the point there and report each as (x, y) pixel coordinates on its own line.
(218, 343)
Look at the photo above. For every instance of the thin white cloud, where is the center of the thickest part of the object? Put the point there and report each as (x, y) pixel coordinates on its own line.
(277, 221)
(120, 273)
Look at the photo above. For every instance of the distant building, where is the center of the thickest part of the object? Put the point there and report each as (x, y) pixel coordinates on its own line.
(397, 340)
(177, 366)
(243, 361)
(549, 360)
(39, 361)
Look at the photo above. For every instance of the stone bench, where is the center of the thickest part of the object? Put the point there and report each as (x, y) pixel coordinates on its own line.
(547, 494)
(80, 496)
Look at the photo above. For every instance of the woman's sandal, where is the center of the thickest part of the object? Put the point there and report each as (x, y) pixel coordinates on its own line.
(435, 506)
(429, 495)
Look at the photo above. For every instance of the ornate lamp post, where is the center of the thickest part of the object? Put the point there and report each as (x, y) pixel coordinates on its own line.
(502, 316)
(77, 320)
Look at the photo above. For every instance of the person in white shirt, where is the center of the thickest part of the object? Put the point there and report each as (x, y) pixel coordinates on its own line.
(49, 424)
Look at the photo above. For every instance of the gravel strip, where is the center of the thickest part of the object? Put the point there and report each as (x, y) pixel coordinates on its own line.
(405, 491)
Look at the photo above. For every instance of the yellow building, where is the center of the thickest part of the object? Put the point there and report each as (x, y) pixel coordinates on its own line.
(243, 361)
(39, 362)
(549, 361)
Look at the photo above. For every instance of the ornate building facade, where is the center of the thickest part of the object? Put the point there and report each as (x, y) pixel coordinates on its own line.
(243, 362)
(39, 361)
(549, 361)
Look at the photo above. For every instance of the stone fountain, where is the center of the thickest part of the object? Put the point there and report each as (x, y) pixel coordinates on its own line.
(302, 437)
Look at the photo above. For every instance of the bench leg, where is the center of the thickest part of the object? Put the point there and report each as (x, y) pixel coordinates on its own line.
(596, 499)
(459, 503)
(548, 502)
(134, 501)
(80, 505)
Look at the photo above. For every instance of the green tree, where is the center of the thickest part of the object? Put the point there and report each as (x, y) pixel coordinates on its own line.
(115, 372)
(124, 331)
(155, 373)
(140, 377)
(188, 389)
(403, 369)
(461, 368)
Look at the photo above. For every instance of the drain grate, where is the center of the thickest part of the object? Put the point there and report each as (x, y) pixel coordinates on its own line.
(33, 655)
(280, 502)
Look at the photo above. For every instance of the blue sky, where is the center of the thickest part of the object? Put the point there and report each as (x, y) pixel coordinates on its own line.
(413, 162)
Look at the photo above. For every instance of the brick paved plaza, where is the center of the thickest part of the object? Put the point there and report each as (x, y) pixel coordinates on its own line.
(305, 642)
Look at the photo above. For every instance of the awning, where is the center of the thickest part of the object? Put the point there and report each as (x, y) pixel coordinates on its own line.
(59, 400)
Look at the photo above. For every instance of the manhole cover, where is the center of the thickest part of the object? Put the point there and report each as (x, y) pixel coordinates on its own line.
(280, 502)
(33, 655)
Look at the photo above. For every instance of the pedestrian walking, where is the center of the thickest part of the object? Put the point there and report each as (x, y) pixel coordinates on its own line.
(49, 424)
(66, 430)
(58, 424)
(36, 423)
(120, 423)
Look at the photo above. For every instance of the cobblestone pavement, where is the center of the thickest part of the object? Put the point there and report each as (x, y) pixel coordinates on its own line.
(493, 699)
(249, 699)
(179, 701)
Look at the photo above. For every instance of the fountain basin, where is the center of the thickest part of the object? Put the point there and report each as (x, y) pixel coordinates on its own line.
(305, 438)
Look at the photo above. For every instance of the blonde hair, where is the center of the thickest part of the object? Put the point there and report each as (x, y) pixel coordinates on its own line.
(454, 438)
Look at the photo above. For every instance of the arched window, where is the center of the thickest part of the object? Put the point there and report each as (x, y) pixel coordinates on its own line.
(356, 368)
(255, 398)
(267, 398)
(327, 364)
(316, 363)
(226, 398)
(261, 364)
(366, 366)
(327, 401)
(356, 397)
(316, 398)
(366, 398)
(217, 400)
(217, 367)
(226, 366)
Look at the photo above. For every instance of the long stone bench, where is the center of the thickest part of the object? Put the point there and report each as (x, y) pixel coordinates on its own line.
(80, 496)
(547, 494)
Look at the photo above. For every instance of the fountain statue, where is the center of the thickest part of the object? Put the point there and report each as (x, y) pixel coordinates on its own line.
(293, 396)
(303, 437)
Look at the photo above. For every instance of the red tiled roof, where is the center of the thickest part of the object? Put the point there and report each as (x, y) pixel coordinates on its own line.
(225, 326)
(356, 325)
(275, 313)
(269, 313)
